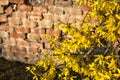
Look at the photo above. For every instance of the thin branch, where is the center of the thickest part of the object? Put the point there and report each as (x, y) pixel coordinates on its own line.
(88, 53)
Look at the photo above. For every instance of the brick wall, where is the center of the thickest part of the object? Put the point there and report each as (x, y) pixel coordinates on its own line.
(24, 23)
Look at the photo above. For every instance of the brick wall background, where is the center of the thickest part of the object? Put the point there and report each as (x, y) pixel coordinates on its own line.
(24, 23)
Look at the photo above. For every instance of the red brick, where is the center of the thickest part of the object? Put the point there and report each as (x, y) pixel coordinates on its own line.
(22, 29)
(23, 43)
(45, 38)
(35, 16)
(17, 1)
(86, 8)
(9, 10)
(49, 32)
(33, 36)
(53, 32)
(40, 9)
(25, 8)
(17, 35)
(4, 2)
(6, 28)
(1, 10)
(37, 30)
(3, 18)
(56, 32)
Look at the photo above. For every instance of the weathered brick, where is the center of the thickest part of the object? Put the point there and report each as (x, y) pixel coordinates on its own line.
(9, 10)
(17, 1)
(29, 23)
(79, 18)
(37, 45)
(47, 45)
(48, 16)
(49, 2)
(4, 34)
(73, 11)
(65, 3)
(77, 24)
(34, 49)
(25, 8)
(23, 43)
(14, 21)
(9, 41)
(48, 23)
(6, 28)
(78, 11)
(41, 24)
(8, 55)
(33, 36)
(3, 18)
(64, 18)
(36, 2)
(20, 56)
(38, 30)
(49, 32)
(35, 16)
(55, 10)
(19, 14)
(31, 58)
(3, 27)
(22, 29)
(71, 19)
(4, 2)
(40, 9)
(17, 35)
(18, 48)
(1, 9)
(56, 17)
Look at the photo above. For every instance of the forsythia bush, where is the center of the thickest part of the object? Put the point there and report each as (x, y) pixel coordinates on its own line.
(90, 51)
